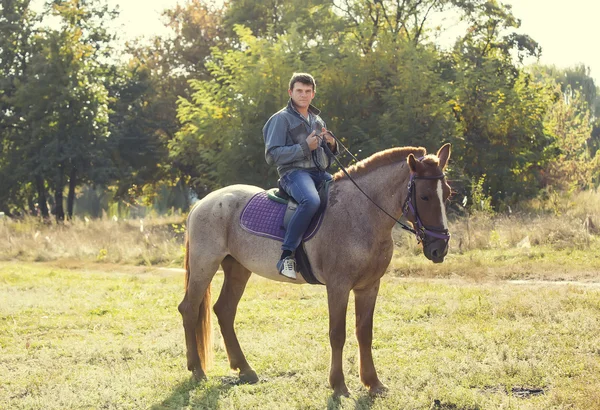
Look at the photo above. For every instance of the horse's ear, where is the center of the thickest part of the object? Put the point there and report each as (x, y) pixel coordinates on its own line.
(412, 162)
(444, 155)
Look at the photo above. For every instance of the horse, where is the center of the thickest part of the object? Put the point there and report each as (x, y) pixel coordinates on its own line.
(350, 252)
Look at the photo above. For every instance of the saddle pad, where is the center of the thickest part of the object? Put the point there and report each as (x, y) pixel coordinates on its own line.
(264, 217)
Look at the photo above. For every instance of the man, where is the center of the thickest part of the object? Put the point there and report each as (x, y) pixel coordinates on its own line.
(293, 143)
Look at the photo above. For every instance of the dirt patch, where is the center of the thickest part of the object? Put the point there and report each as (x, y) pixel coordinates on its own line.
(555, 283)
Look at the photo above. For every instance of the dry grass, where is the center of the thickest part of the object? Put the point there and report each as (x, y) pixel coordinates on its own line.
(555, 239)
(552, 240)
(150, 241)
(567, 221)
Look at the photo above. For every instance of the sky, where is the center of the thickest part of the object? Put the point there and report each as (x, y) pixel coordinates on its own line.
(566, 30)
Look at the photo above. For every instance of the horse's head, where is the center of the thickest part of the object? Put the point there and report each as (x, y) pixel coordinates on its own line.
(425, 208)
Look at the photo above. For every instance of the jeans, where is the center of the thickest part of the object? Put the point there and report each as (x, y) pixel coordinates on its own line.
(302, 186)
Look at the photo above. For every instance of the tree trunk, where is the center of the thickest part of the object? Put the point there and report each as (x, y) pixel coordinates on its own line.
(59, 210)
(42, 203)
(71, 195)
(31, 204)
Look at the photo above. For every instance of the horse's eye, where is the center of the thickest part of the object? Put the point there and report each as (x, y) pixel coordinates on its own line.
(425, 198)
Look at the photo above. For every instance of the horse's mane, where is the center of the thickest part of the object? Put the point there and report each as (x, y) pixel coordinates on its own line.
(386, 157)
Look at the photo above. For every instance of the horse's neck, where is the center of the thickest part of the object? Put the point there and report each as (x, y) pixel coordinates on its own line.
(387, 186)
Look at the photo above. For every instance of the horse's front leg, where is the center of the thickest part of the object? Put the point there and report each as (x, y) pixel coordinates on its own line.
(365, 306)
(337, 300)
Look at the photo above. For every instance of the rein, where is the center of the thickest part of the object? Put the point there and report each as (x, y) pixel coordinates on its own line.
(422, 229)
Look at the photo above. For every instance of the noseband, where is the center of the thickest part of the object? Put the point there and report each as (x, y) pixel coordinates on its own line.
(422, 231)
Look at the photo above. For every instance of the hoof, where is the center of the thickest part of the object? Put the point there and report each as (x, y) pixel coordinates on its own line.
(248, 377)
(199, 375)
(378, 390)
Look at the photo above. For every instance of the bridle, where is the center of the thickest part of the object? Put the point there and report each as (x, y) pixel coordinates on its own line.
(422, 231)
(410, 204)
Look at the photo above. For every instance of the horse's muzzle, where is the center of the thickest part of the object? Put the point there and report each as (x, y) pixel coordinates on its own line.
(436, 250)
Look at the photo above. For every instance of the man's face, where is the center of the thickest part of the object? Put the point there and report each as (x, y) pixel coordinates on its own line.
(302, 94)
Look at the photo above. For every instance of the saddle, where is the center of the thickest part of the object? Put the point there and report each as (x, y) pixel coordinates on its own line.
(268, 213)
(279, 195)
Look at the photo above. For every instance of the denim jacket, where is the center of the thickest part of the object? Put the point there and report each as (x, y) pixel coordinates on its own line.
(285, 136)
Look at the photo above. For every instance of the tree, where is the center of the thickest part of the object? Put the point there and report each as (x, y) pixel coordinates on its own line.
(64, 101)
(499, 109)
(144, 119)
(220, 141)
(573, 80)
(17, 44)
(268, 19)
(401, 20)
(569, 122)
(136, 147)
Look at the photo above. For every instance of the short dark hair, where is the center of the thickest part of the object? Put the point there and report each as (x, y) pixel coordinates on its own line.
(303, 78)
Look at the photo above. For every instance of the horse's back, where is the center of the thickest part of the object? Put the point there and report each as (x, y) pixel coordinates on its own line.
(214, 215)
(223, 202)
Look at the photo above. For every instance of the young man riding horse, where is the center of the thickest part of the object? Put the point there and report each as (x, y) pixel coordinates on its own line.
(394, 182)
(294, 142)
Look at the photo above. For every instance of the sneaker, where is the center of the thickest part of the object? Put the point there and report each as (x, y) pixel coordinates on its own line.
(287, 267)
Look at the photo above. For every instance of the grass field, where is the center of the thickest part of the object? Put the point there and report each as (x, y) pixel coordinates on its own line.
(109, 336)
(88, 320)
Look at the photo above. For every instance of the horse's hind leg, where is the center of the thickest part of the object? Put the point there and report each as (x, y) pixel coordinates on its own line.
(195, 309)
(236, 277)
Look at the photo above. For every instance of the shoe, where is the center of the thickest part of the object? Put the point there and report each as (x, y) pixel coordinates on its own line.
(287, 267)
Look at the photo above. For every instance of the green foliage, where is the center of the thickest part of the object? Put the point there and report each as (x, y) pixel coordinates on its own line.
(500, 109)
(188, 110)
(137, 143)
(197, 27)
(17, 23)
(573, 123)
(569, 123)
(480, 201)
(380, 84)
(269, 19)
(221, 137)
(60, 104)
(145, 105)
(570, 80)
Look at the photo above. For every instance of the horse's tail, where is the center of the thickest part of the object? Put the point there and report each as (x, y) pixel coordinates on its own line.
(204, 324)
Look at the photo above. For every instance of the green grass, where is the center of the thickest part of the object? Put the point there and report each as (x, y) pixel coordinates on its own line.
(81, 338)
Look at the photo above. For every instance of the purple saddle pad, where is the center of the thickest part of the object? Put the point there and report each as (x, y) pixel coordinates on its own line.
(264, 217)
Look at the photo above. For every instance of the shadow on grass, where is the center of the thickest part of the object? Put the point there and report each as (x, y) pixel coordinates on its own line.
(363, 402)
(204, 395)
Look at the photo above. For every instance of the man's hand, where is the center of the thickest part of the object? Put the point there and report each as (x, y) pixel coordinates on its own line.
(330, 140)
(312, 141)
